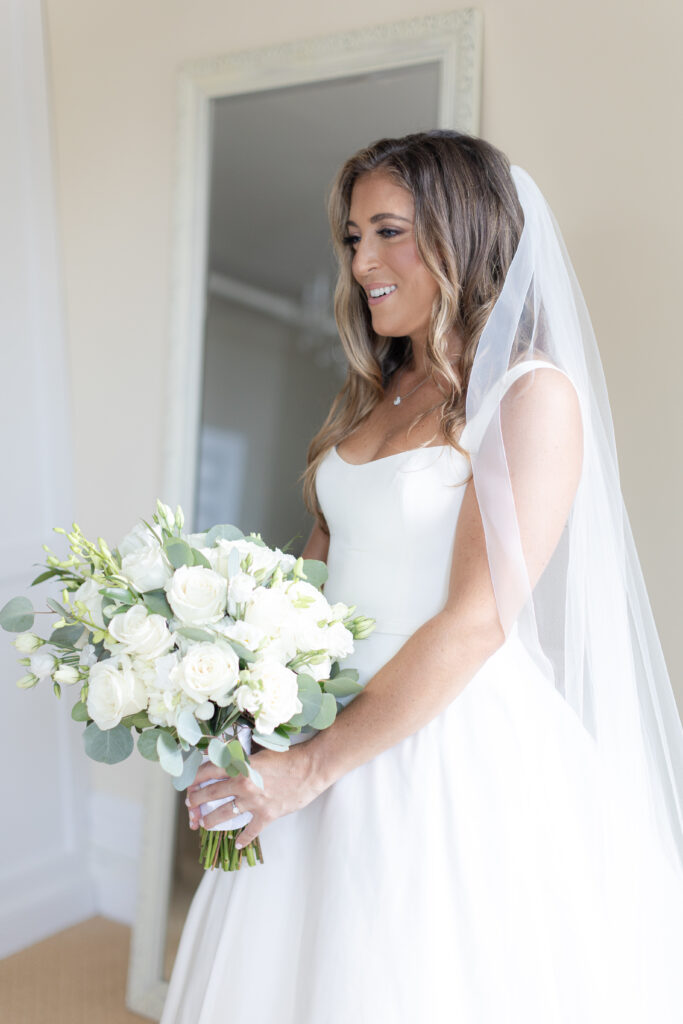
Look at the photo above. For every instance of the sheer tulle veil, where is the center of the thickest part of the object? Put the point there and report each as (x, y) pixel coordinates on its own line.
(587, 622)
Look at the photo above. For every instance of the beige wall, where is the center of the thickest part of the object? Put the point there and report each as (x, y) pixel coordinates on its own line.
(583, 95)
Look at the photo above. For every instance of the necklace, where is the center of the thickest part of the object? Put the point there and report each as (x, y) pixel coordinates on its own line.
(399, 398)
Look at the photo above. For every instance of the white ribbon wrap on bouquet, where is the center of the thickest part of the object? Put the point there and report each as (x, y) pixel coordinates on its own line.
(237, 820)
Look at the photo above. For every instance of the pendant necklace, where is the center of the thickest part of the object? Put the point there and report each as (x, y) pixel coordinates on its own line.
(399, 398)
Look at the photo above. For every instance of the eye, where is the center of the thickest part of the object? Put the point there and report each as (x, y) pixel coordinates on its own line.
(352, 240)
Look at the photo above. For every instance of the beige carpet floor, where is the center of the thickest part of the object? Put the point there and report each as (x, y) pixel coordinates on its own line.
(75, 977)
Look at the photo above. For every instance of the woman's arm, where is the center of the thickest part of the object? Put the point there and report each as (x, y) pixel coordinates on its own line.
(318, 544)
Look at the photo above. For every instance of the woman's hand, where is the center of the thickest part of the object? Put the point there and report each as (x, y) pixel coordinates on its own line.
(288, 781)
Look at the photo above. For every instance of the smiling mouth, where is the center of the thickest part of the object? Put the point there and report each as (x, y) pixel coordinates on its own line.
(374, 300)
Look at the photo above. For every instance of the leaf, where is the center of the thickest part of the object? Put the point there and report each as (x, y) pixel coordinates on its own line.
(342, 685)
(240, 650)
(178, 552)
(219, 753)
(327, 713)
(156, 601)
(170, 754)
(147, 744)
(223, 532)
(45, 576)
(66, 636)
(315, 571)
(139, 720)
(188, 727)
(190, 768)
(109, 746)
(17, 615)
(194, 633)
(236, 750)
(200, 559)
(123, 596)
(310, 696)
(272, 741)
(79, 712)
(255, 776)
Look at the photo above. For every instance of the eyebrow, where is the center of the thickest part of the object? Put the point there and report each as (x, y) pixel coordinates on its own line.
(380, 216)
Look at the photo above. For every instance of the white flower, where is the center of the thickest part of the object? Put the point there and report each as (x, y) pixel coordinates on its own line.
(319, 670)
(66, 674)
(270, 693)
(240, 589)
(269, 609)
(115, 690)
(87, 658)
(338, 611)
(287, 562)
(244, 632)
(88, 593)
(146, 567)
(141, 633)
(42, 664)
(279, 648)
(338, 640)
(305, 595)
(138, 539)
(262, 557)
(27, 643)
(167, 698)
(209, 671)
(197, 595)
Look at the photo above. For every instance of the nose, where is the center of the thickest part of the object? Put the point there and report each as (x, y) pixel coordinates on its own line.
(365, 258)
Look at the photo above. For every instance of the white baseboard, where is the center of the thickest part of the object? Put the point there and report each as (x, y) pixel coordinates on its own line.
(42, 900)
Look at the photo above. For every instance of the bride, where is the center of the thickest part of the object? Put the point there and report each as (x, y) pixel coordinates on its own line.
(490, 831)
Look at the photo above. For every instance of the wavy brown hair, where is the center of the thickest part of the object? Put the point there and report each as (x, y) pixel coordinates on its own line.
(468, 221)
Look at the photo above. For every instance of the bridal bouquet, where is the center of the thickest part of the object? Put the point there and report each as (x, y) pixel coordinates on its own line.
(196, 644)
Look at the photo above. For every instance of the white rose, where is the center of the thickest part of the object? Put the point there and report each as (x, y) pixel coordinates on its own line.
(269, 609)
(146, 568)
(88, 593)
(276, 688)
(114, 691)
(304, 631)
(167, 698)
(305, 596)
(138, 539)
(279, 648)
(240, 589)
(141, 633)
(338, 640)
(209, 671)
(66, 674)
(197, 595)
(42, 664)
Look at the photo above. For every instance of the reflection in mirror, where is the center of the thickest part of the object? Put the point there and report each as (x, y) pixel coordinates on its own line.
(272, 360)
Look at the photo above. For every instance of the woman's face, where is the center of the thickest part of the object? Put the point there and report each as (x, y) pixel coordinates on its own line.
(381, 235)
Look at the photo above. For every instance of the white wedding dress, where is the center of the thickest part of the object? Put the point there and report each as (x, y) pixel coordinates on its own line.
(453, 878)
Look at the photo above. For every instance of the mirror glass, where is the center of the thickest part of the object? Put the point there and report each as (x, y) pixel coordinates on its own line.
(272, 361)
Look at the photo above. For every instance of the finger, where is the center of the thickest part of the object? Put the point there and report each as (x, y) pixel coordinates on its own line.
(206, 771)
(221, 816)
(215, 791)
(250, 832)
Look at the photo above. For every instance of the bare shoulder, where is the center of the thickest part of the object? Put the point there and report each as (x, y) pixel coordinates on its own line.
(543, 398)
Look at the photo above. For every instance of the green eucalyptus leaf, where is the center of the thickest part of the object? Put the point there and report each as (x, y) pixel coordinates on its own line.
(178, 552)
(188, 726)
(240, 650)
(273, 741)
(66, 636)
(147, 744)
(311, 697)
(156, 602)
(315, 571)
(79, 712)
(342, 685)
(57, 607)
(236, 750)
(219, 753)
(327, 713)
(138, 721)
(200, 559)
(255, 777)
(17, 615)
(190, 768)
(194, 633)
(224, 531)
(109, 746)
(170, 754)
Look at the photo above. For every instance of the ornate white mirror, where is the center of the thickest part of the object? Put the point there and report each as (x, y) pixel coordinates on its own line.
(255, 359)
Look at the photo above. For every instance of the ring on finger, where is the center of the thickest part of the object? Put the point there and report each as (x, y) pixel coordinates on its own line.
(235, 808)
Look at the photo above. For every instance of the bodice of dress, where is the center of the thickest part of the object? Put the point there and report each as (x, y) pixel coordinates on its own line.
(392, 523)
(392, 528)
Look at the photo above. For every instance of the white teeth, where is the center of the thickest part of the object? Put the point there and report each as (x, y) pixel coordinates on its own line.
(376, 292)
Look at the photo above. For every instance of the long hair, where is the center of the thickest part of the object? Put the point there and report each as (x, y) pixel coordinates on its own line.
(468, 221)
